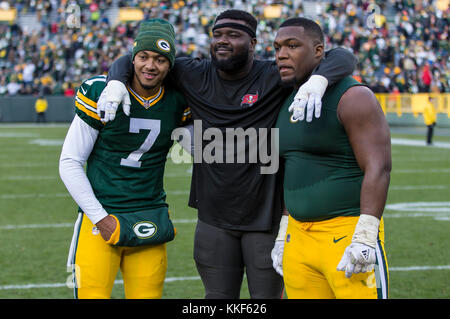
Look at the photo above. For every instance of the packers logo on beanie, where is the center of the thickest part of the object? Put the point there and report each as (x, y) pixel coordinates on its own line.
(156, 35)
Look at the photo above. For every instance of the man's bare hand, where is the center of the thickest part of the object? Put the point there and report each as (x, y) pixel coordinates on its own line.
(107, 226)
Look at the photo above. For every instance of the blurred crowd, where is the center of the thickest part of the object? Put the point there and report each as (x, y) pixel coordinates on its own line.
(408, 54)
(402, 45)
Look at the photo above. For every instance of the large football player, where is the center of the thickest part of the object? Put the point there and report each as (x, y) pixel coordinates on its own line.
(123, 215)
(336, 179)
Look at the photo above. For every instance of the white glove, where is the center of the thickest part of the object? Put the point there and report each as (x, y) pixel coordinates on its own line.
(113, 94)
(309, 95)
(360, 255)
(278, 248)
(277, 256)
(357, 258)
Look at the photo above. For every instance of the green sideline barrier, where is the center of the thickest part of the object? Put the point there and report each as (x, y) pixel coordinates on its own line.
(21, 109)
(61, 109)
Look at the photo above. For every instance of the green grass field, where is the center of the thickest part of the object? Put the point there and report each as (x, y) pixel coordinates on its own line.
(37, 216)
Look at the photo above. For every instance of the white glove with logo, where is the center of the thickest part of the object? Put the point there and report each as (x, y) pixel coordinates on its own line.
(278, 248)
(360, 256)
(309, 96)
(357, 258)
(113, 94)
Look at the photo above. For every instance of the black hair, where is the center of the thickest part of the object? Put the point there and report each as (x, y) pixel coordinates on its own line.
(310, 27)
(234, 14)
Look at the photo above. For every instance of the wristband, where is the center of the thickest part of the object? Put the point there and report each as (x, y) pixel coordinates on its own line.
(283, 228)
(366, 230)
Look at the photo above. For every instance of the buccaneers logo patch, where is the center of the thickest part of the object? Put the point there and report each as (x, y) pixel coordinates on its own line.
(248, 100)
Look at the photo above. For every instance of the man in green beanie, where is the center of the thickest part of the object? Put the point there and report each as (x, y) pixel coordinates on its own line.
(158, 36)
(123, 219)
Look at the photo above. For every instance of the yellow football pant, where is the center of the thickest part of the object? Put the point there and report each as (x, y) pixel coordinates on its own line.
(312, 252)
(95, 265)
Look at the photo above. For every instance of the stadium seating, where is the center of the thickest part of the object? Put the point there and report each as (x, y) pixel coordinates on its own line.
(50, 46)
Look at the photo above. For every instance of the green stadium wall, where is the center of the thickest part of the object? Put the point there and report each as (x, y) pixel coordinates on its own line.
(21, 109)
(61, 109)
(408, 119)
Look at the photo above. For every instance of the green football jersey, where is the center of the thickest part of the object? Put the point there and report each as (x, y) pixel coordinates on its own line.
(322, 178)
(126, 165)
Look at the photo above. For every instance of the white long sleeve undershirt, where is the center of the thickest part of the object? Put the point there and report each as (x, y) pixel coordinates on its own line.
(77, 147)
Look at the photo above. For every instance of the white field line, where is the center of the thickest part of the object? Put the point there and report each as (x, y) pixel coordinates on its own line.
(397, 159)
(28, 165)
(70, 225)
(187, 174)
(28, 177)
(443, 217)
(62, 285)
(28, 226)
(34, 195)
(17, 135)
(50, 177)
(427, 171)
(173, 279)
(176, 192)
(46, 195)
(411, 142)
(32, 125)
(436, 210)
(47, 142)
(420, 268)
(395, 141)
(416, 187)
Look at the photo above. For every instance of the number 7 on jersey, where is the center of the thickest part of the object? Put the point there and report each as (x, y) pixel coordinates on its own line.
(136, 124)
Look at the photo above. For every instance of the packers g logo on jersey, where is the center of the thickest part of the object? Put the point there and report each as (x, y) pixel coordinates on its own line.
(163, 45)
(144, 229)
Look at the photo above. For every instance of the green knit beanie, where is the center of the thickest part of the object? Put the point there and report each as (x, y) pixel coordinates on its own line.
(156, 35)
